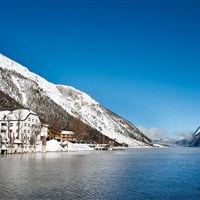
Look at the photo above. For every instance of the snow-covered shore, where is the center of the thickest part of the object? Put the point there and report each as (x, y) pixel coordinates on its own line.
(55, 146)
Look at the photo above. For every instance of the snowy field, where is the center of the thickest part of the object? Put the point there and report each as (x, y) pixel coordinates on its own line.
(55, 146)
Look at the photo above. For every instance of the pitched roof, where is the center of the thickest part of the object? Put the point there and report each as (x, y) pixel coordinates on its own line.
(67, 133)
(19, 114)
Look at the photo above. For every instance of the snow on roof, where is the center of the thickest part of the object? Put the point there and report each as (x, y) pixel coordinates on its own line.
(3, 114)
(19, 114)
(67, 133)
(17, 141)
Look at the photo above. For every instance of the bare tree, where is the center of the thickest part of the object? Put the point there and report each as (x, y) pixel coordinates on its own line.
(54, 125)
(79, 128)
(9, 131)
(18, 117)
(35, 131)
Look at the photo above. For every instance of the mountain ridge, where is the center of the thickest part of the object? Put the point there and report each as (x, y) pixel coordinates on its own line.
(66, 103)
(192, 141)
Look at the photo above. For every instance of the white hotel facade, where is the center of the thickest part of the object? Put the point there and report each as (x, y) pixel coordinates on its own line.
(18, 123)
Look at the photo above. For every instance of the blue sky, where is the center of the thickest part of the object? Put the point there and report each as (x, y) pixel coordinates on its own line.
(140, 59)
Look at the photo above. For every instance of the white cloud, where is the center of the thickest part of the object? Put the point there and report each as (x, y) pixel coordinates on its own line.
(153, 133)
(184, 134)
(157, 133)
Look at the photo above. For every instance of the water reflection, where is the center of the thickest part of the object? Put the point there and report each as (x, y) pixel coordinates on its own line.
(130, 174)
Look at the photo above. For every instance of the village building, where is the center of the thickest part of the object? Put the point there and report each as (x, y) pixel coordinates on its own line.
(69, 136)
(59, 135)
(19, 125)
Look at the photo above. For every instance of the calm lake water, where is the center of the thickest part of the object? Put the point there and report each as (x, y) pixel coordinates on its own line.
(143, 174)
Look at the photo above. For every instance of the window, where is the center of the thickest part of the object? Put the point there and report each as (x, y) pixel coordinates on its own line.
(29, 119)
(32, 120)
(24, 131)
(3, 124)
(28, 131)
(28, 125)
(17, 124)
(11, 124)
(3, 131)
(24, 124)
(10, 131)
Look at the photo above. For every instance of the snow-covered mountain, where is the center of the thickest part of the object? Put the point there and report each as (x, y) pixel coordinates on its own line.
(170, 142)
(193, 141)
(61, 104)
(197, 132)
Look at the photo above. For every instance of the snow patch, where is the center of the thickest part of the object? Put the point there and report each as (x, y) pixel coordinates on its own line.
(78, 147)
(55, 146)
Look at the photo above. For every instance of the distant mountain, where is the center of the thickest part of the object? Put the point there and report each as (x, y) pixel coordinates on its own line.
(197, 132)
(194, 141)
(168, 142)
(61, 105)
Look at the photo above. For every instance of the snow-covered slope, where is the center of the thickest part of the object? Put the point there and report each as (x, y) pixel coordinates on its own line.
(197, 132)
(193, 141)
(167, 142)
(36, 93)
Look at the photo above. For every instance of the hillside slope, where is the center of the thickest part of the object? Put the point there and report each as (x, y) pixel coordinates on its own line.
(58, 104)
(193, 141)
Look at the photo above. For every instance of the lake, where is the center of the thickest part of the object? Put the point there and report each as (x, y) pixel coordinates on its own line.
(154, 174)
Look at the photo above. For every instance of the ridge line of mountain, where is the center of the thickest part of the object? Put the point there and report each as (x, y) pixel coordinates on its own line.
(65, 104)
